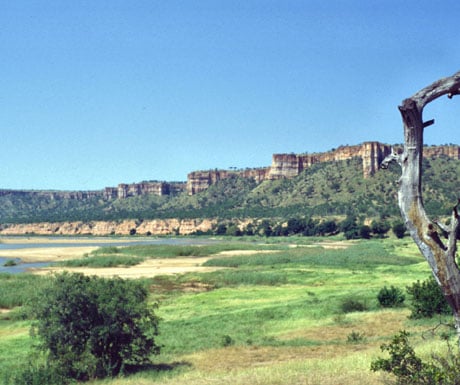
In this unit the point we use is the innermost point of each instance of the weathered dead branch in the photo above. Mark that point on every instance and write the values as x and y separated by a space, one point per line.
438 251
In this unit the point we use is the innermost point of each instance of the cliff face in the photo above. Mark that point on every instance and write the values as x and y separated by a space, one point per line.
451 151
144 188
77 195
282 166
198 181
291 165
100 228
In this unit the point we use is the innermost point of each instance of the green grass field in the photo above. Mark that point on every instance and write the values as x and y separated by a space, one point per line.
272 317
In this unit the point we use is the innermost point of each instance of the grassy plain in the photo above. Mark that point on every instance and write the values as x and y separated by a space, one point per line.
265 313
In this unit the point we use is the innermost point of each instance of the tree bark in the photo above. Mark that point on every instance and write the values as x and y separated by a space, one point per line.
439 252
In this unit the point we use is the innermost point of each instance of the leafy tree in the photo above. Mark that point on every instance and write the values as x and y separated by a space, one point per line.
233 230
365 232
265 228
399 229
380 228
296 226
221 229
326 227
95 327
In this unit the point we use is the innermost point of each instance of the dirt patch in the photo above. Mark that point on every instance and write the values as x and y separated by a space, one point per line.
338 245
148 268
232 253
47 254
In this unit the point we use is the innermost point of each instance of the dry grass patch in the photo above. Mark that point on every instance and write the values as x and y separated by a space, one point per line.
371 325
240 357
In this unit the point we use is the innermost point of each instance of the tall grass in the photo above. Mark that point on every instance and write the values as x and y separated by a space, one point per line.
173 251
268 318
103 261
17 289
359 256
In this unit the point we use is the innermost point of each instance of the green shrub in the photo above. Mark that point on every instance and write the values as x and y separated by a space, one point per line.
103 261
36 374
409 369
92 327
427 299
356 338
380 228
403 362
399 229
227 341
365 232
390 297
350 305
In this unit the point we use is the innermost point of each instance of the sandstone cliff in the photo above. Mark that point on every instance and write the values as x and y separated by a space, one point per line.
291 165
104 228
282 166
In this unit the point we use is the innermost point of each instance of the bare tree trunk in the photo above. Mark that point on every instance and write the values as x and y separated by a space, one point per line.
440 253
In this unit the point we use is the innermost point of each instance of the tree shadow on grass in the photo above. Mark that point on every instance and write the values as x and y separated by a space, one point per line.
159 368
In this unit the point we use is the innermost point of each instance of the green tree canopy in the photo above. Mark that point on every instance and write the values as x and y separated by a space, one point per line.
95 327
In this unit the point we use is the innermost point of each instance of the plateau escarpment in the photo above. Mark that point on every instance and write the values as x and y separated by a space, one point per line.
291 165
286 166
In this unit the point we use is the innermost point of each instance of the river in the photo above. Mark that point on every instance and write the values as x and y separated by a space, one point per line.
28 243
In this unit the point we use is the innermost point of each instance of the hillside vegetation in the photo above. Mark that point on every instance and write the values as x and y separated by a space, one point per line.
334 188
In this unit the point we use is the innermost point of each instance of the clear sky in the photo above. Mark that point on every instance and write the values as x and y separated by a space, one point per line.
94 93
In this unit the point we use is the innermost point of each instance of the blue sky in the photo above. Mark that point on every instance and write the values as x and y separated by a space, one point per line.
96 93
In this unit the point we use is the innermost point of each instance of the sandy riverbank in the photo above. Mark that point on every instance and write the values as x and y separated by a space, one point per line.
148 268
54 253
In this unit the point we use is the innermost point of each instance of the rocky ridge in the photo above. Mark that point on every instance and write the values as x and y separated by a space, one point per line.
282 166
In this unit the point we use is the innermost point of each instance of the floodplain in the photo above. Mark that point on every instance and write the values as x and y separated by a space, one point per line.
287 310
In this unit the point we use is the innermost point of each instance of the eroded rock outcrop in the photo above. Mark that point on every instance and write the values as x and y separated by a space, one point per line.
291 165
104 228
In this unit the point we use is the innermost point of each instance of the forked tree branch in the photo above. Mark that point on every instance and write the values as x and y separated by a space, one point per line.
439 254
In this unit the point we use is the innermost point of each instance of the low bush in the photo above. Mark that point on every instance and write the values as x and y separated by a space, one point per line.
409 369
390 297
350 305
103 261
427 299
356 338
36 374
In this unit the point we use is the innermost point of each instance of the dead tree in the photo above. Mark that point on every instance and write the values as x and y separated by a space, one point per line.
437 242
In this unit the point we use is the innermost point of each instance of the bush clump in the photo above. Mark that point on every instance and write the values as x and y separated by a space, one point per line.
350 305
390 297
427 299
93 327
409 369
